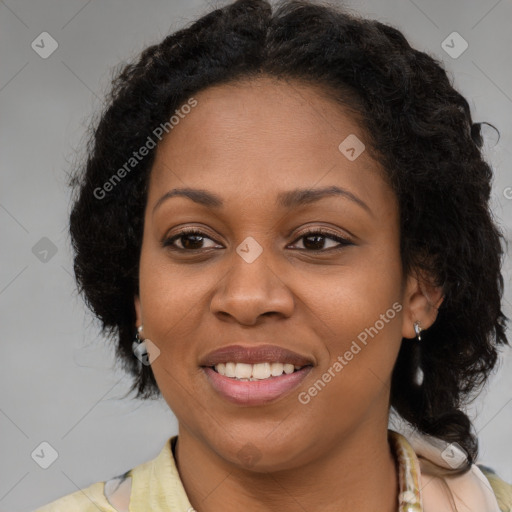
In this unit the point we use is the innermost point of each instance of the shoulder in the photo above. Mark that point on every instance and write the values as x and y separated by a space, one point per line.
90 499
472 491
501 489
152 485
477 490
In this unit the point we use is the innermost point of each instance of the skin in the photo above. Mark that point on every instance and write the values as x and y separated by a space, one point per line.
246 142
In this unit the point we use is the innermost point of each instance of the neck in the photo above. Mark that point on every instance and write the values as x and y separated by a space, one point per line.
358 472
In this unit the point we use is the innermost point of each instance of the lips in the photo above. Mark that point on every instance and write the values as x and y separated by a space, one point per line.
254 355
256 393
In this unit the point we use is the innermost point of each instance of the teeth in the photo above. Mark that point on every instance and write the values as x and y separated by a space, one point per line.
288 368
243 371
276 369
230 369
258 371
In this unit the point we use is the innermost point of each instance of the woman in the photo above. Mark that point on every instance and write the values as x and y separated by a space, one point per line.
289 213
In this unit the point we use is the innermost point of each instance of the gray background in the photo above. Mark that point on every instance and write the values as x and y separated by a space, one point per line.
58 379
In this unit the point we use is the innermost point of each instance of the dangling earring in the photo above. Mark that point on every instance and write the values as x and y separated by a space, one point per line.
139 347
418 376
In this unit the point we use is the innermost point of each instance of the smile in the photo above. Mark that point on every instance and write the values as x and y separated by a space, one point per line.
253 372
252 391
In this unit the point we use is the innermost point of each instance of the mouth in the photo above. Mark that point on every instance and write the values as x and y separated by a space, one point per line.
248 389
244 372
255 375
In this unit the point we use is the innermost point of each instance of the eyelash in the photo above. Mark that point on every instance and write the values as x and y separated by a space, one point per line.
322 232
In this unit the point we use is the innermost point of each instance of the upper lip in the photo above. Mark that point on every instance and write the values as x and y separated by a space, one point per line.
253 355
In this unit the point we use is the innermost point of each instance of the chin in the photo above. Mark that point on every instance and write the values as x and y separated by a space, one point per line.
256 452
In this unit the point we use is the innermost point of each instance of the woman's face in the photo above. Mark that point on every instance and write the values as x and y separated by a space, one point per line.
252 277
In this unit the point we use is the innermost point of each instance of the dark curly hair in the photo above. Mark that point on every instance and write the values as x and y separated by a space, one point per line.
418 127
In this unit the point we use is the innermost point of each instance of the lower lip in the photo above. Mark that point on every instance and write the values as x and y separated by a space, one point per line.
256 392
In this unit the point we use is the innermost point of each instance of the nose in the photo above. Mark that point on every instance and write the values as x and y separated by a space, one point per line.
251 291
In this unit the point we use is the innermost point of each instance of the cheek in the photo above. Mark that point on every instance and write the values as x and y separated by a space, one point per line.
174 298
171 302
360 320
352 296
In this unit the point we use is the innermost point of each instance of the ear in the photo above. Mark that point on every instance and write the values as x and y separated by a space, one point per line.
138 311
421 303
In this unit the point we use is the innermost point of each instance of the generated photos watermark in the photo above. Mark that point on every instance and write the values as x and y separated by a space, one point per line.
343 360
143 151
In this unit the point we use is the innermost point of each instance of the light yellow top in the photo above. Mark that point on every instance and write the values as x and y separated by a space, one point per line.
156 486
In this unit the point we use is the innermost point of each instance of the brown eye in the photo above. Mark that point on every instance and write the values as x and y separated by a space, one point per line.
190 239
314 240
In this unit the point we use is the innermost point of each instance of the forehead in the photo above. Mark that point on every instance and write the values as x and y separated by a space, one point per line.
253 138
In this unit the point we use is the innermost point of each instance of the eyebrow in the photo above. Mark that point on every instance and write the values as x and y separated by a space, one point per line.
289 199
